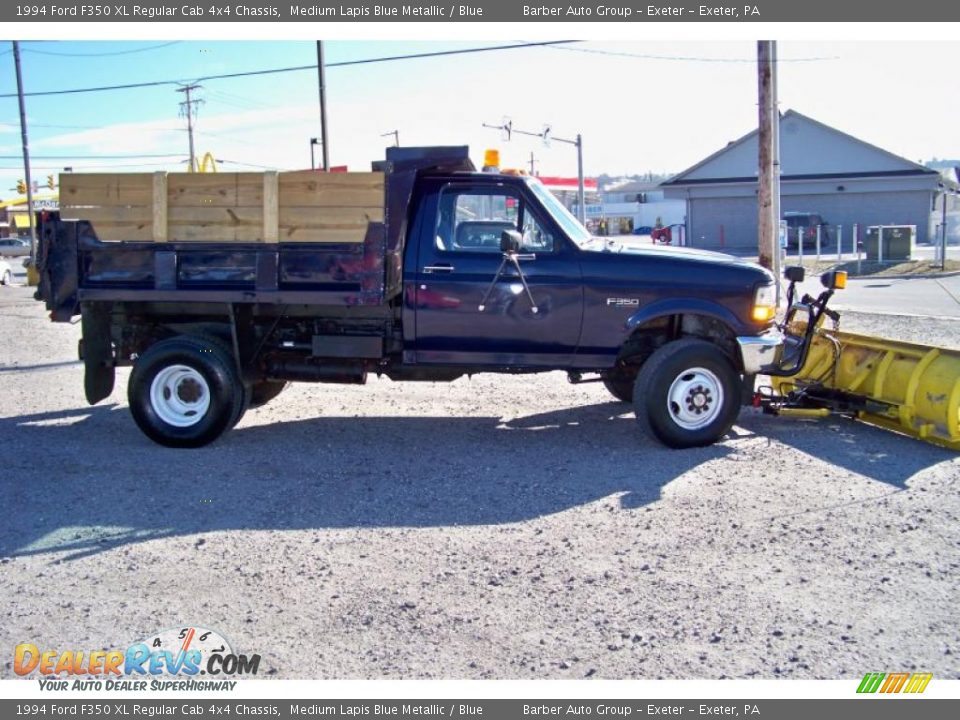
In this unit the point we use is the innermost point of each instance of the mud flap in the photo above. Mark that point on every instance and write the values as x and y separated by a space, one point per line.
96 352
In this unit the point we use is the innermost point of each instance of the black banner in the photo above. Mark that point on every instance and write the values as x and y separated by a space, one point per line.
152 11
852 709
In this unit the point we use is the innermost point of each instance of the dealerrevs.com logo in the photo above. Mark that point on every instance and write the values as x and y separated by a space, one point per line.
888 683
185 658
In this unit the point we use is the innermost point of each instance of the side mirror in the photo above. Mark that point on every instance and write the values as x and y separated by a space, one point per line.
795 274
834 279
510 241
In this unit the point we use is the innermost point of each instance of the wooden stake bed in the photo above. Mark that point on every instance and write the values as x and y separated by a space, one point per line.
267 207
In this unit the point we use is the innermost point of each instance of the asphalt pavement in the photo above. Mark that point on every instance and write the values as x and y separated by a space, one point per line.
935 297
493 527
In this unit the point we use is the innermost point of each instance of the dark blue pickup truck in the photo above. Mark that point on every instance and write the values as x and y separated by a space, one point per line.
468 272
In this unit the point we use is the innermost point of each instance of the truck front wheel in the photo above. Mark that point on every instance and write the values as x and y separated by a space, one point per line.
687 394
185 392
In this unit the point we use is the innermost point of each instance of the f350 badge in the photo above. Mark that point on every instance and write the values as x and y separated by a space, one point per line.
623 302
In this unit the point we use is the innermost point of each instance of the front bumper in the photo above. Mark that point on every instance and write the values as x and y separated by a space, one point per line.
758 352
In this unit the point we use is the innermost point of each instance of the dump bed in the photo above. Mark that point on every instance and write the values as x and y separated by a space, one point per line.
300 237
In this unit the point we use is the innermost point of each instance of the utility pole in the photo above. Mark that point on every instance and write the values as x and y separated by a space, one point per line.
321 76
766 241
581 195
943 227
187 109
396 137
533 167
775 160
26 152
508 130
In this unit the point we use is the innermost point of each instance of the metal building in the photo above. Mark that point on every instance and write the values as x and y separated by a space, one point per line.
823 171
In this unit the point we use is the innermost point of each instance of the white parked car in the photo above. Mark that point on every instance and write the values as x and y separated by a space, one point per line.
14 247
6 273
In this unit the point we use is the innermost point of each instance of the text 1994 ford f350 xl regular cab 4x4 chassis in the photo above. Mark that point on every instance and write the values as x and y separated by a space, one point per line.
449 272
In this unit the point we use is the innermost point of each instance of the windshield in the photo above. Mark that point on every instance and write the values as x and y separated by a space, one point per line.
567 222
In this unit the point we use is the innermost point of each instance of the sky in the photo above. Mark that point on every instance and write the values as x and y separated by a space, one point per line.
640 107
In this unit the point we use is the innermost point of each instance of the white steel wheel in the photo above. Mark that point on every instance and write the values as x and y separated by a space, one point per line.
687 393
695 398
180 395
7 278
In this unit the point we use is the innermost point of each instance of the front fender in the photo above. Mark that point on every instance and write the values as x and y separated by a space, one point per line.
688 306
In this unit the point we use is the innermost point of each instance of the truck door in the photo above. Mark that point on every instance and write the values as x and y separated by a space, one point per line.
458 257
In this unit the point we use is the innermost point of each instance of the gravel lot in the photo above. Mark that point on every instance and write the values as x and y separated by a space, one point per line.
499 527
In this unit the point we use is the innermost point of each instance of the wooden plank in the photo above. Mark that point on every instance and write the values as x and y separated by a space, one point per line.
211 224
216 216
118 215
306 189
331 197
215 233
326 224
215 189
311 217
113 232
271 207
159 207
344 179
106 188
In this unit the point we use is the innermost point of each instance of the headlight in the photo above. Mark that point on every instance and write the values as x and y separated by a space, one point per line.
764 304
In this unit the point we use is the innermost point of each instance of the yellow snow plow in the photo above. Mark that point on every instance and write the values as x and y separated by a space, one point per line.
905 387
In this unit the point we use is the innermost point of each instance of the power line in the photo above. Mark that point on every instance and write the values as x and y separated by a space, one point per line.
686 58
297 68
246 164
80 127
97 165
103 54
92 157
128 86
235 100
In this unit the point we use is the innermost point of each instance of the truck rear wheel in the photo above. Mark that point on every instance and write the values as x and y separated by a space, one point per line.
185 392
687 394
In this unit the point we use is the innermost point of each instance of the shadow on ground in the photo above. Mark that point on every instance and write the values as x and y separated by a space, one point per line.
85 480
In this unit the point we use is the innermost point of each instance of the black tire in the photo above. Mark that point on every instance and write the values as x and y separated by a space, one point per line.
702 375
264 391
7 278
619 382
208 389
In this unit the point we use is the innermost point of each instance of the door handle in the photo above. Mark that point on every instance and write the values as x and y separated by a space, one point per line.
443 268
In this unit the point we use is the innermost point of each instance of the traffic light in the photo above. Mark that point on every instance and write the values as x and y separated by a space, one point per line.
51 181
22 187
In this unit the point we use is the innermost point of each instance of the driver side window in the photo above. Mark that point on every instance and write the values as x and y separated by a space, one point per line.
473 221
